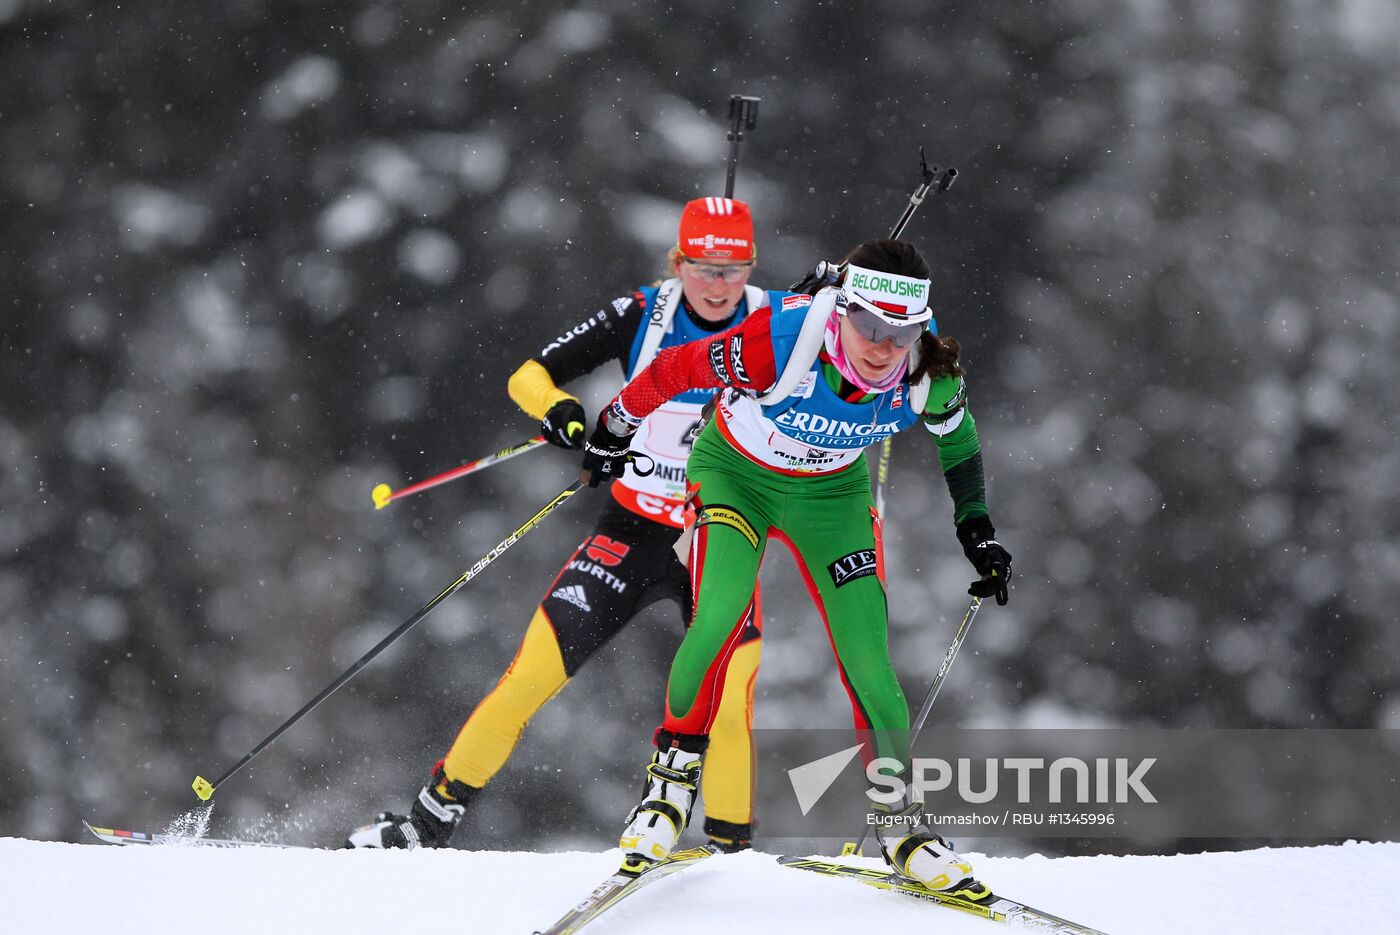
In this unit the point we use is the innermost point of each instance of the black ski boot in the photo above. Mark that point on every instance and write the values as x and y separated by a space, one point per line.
429 823
730 837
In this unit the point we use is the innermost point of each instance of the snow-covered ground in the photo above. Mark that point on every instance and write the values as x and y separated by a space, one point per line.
61 888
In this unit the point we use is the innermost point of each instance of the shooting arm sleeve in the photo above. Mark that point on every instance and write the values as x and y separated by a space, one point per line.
948 419
605 336
741 357
533 389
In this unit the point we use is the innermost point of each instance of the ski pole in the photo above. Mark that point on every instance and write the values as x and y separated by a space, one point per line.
743 115
958 638
882 473
383 495
205 789
927 706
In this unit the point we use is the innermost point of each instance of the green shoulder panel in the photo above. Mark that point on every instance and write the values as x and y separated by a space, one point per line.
946 395
948 419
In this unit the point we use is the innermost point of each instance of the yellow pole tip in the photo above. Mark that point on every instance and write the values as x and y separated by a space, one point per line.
203 789
382 494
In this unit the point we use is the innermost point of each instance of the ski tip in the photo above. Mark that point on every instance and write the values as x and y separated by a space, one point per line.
202 788
116 836
381 494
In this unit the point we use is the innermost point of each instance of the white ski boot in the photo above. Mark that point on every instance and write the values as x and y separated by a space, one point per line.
655 826
916 852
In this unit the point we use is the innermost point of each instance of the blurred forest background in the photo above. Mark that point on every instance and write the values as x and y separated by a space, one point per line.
256 257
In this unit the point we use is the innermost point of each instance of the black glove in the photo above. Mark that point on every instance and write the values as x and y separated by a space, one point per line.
992 562
564 424
605 454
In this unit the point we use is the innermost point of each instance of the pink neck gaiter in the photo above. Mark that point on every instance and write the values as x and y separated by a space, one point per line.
848 370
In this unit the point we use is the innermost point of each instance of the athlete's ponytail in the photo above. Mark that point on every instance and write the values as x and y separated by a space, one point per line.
938 357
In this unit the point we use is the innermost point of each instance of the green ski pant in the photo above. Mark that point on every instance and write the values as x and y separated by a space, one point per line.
829 523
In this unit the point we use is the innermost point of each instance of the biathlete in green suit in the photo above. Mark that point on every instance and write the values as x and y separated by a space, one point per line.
807 384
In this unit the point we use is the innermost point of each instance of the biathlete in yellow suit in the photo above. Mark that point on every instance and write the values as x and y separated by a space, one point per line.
627 562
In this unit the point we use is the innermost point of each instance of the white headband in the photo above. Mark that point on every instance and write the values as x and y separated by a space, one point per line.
899 300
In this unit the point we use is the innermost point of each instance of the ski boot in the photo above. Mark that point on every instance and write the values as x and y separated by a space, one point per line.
668 794
429 823
728 836
913 850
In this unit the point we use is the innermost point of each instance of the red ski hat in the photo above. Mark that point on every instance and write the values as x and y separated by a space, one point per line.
716 229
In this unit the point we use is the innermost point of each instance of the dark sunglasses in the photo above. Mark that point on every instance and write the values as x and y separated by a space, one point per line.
875 329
